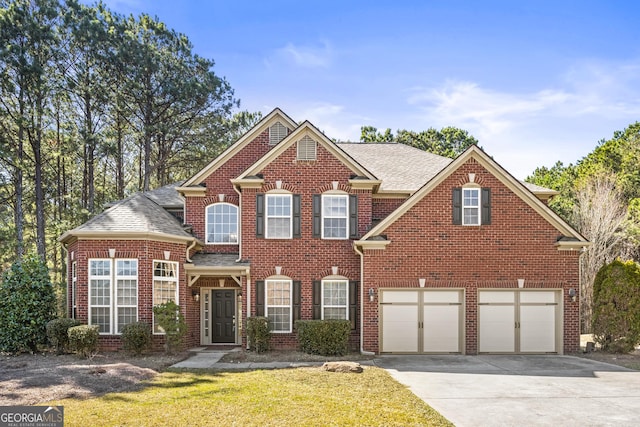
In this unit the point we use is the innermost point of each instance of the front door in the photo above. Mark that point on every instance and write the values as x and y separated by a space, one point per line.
223 309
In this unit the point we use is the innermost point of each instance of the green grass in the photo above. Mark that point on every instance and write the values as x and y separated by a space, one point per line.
285 397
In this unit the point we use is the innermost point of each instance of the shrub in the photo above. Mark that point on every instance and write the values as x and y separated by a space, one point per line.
258 334
84 339
324 337
171 322
136 337
616 306
28 303
58 333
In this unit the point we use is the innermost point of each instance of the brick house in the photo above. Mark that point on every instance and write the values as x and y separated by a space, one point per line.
423 254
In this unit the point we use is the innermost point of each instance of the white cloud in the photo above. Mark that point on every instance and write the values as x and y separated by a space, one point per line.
306 56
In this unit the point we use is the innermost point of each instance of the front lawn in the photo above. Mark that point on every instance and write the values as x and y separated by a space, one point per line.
287 397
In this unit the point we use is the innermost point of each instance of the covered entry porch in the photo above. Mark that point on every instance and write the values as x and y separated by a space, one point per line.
216 282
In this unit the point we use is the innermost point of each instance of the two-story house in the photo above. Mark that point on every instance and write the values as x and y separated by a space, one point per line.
423 254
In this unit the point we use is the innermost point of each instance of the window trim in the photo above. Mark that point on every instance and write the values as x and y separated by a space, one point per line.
113 305
477 207
207 223
268 196
345 282
176 279
290 306
323 216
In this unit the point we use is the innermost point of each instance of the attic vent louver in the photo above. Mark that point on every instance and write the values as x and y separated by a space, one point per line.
277 132
307 149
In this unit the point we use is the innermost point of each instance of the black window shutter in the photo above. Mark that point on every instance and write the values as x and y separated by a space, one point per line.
353 304
317 215
259 215
297 301
296 216
259 297
353 216
317 299
457 206
486 206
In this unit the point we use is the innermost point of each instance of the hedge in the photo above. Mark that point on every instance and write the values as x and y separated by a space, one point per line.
324 337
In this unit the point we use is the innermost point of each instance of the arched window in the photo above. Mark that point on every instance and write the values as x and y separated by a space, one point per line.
222 224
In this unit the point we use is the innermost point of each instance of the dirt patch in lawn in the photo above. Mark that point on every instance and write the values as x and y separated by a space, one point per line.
244 356
628 360
26 379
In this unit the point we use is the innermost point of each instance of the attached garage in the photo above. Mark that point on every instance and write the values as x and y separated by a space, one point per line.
421 320
519 321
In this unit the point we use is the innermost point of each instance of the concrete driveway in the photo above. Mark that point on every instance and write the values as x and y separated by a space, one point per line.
521 390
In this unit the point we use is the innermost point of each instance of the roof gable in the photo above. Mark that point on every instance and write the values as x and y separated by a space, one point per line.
271 118
307 129
502 175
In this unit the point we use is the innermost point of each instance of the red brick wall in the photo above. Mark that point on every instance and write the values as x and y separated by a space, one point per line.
519 243
383 207
145 252
219 183
306 258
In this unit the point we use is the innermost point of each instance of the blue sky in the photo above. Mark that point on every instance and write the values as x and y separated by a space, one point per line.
534 81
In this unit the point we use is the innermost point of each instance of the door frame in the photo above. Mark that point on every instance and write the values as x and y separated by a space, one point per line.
206 301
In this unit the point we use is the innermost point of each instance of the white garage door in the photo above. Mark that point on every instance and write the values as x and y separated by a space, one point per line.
519 321
421 321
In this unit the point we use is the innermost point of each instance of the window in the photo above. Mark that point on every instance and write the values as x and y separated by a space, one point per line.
278 305
335 217
74 289
279 224
222 224
165 286
112 307
307 149
471 206
277 132
335 301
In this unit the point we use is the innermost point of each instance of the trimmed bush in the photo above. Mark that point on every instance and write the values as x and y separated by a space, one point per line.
136 337
84 339
616 306
324 337
58 333
28 304
258 334
171 322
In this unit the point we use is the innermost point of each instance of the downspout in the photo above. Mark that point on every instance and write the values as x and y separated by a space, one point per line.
191 246
248 276
66 279
361 253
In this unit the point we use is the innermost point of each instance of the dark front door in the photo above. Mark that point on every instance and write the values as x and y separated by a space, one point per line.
223 316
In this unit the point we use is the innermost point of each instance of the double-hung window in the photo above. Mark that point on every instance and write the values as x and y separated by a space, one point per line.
335 299
278 216
335 216
278 304
165 286
113 294
222 224
471 206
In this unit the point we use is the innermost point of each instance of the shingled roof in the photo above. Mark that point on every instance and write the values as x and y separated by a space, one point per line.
137 214
400 167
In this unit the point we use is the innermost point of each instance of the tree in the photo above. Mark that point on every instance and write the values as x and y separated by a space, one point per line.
599 215
448 142
616 306
28 304
562 179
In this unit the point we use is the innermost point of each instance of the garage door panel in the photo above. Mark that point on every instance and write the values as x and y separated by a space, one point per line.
441 332
538 328
497 324
400 328
541 297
